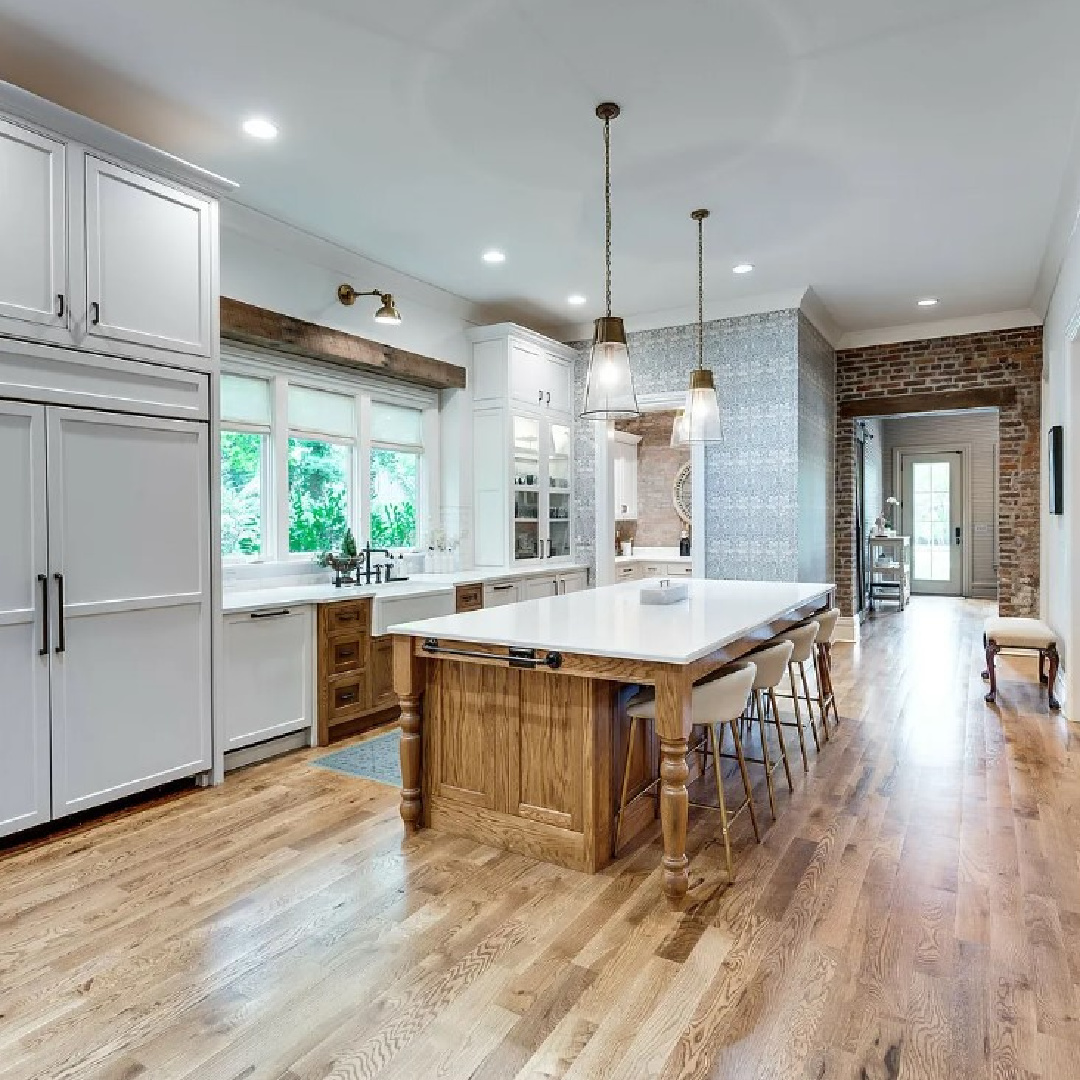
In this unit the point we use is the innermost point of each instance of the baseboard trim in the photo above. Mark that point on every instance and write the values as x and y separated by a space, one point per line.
847 629
250 755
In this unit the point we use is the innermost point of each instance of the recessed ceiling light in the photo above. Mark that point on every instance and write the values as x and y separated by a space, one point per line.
492 255
928 301
742 268
260 128
576 299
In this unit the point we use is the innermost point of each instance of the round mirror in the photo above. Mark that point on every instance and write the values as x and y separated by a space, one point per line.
680 493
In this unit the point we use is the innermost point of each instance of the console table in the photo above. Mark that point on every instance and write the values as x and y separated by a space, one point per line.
889 565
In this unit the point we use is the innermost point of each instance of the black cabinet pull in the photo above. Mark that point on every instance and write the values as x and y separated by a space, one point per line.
61 642
95 313
43 579
60 305
549 397
270 614
541 397
958 535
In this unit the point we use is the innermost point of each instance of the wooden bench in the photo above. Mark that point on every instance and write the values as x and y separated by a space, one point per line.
1031 635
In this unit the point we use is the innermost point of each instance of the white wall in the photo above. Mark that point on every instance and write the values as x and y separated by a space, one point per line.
1060 535
273 265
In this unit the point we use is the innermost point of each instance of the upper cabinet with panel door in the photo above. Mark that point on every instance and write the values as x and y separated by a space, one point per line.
115 245
514 365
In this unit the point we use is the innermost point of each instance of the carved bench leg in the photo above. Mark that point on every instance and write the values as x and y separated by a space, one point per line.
1051 679
990 673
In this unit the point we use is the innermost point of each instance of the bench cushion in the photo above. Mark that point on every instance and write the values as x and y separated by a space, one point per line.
1014 633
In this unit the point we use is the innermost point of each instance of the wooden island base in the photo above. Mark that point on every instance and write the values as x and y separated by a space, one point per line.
528 758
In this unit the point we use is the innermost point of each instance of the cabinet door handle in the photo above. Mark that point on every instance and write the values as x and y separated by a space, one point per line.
60 308
549 397
43 580
61 640
95 313
501 588
270 614
541 397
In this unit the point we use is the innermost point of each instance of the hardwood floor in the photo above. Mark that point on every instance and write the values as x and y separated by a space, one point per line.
914 913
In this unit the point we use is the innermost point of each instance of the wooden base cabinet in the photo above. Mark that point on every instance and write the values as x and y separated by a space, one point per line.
105 608
355 679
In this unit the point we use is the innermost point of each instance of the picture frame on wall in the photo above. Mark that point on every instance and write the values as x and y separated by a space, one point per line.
1055 463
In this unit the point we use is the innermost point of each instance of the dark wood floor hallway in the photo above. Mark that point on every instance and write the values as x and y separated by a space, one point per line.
915 912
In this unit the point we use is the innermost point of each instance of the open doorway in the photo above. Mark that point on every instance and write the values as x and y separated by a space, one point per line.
932 477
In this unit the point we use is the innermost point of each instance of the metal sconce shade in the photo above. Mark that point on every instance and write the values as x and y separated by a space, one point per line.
609 386
387 313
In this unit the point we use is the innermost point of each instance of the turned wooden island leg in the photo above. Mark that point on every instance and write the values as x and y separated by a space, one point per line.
409 687
673 724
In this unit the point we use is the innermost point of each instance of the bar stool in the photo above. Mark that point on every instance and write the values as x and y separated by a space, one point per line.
771 664
715 704
802 640
826 698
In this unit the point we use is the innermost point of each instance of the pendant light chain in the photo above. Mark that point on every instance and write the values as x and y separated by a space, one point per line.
701 292
607 214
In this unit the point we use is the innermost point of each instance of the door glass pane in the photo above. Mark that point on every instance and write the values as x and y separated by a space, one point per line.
318 494
526 452
526 488
243 462
931 546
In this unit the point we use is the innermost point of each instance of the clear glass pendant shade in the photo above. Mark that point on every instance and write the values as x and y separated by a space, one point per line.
699 419
609 387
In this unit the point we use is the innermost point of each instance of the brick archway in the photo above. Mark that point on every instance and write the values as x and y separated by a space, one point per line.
1002 368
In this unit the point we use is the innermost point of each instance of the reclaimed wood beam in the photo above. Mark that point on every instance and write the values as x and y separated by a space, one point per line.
939 401
282 333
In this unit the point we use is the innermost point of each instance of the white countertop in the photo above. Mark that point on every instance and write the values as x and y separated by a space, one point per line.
612 621
682 560
418 585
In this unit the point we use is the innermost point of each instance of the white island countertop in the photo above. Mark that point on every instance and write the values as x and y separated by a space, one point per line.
612 621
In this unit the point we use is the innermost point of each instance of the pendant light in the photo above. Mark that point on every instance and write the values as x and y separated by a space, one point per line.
609 387
699 420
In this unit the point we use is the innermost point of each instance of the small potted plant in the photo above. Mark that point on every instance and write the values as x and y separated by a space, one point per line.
343 563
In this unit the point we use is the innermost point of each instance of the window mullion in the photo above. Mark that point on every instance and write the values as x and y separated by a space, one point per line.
278 518
362 513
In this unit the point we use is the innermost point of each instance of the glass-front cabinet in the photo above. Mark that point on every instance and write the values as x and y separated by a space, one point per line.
541 503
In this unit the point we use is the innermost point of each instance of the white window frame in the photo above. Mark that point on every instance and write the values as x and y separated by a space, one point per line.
281 373
267 540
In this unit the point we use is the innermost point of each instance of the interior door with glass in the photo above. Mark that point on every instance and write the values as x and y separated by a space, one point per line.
558 495
933 517
527 489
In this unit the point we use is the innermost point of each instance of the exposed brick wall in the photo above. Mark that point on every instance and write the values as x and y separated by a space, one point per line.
1002 358
659 462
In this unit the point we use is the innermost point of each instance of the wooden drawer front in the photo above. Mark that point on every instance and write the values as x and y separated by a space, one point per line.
347 697
469 598
347 654
348 615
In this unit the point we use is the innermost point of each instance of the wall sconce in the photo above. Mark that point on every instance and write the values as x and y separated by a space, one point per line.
386 314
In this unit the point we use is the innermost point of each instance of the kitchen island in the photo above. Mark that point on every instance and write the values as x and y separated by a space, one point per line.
509 716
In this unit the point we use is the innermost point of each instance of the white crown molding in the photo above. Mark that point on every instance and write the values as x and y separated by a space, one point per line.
42 113
1063 228
974 324
351 265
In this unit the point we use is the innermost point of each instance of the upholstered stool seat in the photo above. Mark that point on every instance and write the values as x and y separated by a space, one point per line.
1024 634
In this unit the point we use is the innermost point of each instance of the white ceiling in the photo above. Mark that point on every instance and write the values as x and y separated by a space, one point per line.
873 150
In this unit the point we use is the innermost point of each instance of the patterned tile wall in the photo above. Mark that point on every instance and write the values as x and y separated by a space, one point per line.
751 489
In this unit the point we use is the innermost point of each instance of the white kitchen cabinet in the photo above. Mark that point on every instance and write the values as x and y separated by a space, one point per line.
539 587
500 593
148 256
523 434
627 572
625 485
33 227
577 581
25 797
268 678
129 556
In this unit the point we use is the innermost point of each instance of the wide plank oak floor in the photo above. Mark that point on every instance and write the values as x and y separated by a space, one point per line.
915 912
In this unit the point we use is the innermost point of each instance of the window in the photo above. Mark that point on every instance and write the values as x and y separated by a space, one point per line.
396 446
303 461
245 440
320 468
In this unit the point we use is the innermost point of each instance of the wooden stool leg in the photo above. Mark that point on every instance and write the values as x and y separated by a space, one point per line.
990 673
809 707
759 711
1051 678
720 799
826 654
798 717
625 782
746 782
820 699
771 704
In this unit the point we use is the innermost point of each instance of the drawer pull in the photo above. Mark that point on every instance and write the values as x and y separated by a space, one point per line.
346 616
270 614
346 696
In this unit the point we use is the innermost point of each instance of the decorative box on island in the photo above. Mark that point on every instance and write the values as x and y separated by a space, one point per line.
664 591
